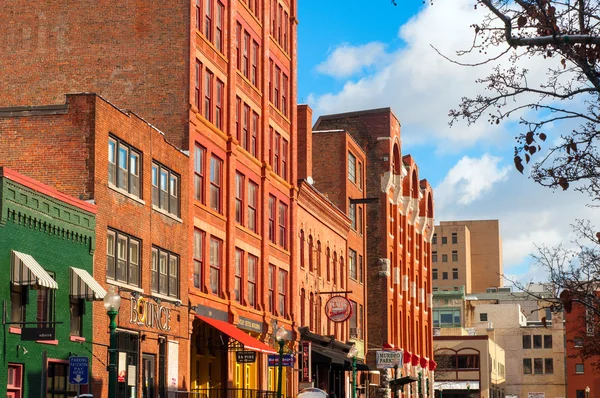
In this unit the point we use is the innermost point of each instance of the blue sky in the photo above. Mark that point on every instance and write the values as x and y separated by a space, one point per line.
352 58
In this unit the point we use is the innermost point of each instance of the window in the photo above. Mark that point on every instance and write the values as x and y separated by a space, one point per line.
284 157
219 105
237 285
360 175
578 342
434 257
444 240
198 258
14 384
197 87
254 70
276 90
57 384
165 189
360 269
352 264
276 141
538 366
123 258
579 368
444 275
284 90
281 289
527 369
245 126
283 209
271 292
198 15
219 27
239 198
526 342
252 205
446 317
165 272
351 167
580 394
537 341
208 20
467 361
215 265
360 220
353 321
253 134
124 166
76 309
272 204
454 255
434 239
434 274
252 261
483 317
454 238
352 215
454 273
208 81
200 154
444 258
216 175
18 303
45 305
547 341
548 366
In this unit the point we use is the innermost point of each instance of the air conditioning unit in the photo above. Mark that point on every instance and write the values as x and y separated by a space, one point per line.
355 333
491 290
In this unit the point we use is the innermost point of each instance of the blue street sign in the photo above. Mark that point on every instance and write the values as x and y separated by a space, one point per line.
78 370
288 360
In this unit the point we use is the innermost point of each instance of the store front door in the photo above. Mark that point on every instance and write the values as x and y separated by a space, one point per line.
148 372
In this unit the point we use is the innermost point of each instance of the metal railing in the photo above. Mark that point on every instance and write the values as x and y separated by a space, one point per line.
226 393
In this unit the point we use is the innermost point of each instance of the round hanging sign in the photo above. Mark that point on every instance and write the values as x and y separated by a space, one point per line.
338 309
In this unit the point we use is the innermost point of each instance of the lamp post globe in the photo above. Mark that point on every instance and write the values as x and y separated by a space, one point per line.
112 303
587 391
281 335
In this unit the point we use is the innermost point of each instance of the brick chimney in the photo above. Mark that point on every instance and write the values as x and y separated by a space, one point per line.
304 142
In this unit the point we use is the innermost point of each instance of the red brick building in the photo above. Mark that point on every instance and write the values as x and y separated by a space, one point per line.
399 226
93 151
580 373
331 260
218 78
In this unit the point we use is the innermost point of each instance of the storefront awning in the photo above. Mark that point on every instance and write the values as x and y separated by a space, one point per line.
84 286
25 271
243 338
457 385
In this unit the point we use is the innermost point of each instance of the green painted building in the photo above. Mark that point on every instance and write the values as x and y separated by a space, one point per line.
46 259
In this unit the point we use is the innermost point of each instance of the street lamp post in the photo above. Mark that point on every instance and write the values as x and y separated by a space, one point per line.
112 302
352 354
281 335
468 389
441 391
587 391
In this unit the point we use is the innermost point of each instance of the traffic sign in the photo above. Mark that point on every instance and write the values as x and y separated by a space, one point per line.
78 370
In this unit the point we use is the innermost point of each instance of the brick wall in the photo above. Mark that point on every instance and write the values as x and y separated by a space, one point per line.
134 53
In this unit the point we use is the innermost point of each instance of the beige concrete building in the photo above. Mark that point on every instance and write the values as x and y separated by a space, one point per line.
469 366
467 253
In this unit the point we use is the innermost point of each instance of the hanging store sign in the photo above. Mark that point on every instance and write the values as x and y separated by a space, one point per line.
288 360
245 356
389 359
338 309
144 312
37 334
306 362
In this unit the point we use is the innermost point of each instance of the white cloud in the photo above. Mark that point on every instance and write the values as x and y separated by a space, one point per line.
347 60
469 180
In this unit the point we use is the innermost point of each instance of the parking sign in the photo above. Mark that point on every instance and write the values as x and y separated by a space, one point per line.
78 370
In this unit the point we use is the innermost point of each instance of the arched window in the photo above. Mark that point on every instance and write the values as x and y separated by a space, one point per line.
342 272
334 268
319 257
328 264
310 253
302 248
302 307
311 311
319 316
